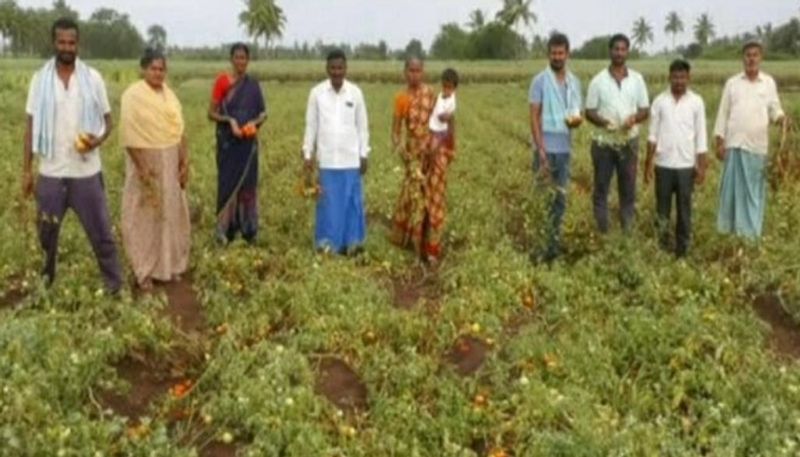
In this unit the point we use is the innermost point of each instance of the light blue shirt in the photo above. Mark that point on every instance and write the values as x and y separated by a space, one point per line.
617 102
554 142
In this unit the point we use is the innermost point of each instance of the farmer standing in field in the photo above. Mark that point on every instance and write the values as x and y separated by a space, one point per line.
337 135
617 103
69 117
555 107
676 153
749 103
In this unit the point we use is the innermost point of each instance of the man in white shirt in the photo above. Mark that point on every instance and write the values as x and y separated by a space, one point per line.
617 102
749 103
68 118
676 153
337 135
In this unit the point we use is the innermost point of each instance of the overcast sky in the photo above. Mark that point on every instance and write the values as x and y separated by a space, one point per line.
211 22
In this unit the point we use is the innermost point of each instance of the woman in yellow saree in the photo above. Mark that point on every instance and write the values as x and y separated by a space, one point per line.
155 212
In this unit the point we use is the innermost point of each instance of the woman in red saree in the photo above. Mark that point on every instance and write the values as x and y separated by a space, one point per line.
419 216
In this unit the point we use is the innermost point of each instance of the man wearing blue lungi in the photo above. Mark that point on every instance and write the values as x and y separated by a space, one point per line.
749 103
337 134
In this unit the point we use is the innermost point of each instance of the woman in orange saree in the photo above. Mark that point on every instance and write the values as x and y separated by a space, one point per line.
412 219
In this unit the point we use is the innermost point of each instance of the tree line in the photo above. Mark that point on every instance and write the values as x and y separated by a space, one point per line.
107 33
110 34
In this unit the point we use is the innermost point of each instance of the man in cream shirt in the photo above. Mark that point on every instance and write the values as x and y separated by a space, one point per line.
676 153
749 104
337 133
616 103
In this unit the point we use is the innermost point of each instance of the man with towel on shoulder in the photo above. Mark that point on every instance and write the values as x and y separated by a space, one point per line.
555 106
69 117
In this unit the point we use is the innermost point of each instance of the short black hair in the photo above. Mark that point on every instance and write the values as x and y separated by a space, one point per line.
240 47
750 44
151 55
557 39
450 76
64 23
617 38
680 65
336 54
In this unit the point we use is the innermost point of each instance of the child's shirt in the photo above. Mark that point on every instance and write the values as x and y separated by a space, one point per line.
443 106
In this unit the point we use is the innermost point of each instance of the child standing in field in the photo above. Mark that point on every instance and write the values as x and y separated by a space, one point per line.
441 153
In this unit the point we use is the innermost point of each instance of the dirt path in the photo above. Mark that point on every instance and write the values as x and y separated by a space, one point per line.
13 294
154 378
340 384
468 355
784 339
411 289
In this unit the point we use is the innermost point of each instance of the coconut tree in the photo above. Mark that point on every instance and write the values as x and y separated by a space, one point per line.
516 11
642 33
157 37
674 26
704 30
263 19
477 19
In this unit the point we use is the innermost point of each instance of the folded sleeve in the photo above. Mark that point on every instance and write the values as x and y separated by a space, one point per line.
655 122
312 116
362 126
774 103
700 128
723 112
593 95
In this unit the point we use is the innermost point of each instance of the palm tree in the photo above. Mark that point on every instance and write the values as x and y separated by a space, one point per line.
764 33
642 33
516 11
704 30
476 20
674 26
157 37
263 18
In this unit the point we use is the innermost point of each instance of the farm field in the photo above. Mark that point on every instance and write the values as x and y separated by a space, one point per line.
615 350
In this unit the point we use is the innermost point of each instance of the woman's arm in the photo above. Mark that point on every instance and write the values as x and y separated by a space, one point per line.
259 121
397 130
143 171
215 115
183 162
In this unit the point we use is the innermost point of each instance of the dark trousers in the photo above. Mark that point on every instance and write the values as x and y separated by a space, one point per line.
86 197
559 175
608 160
680 184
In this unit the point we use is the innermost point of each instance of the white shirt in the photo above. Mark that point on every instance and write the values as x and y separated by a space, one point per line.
66 161
337 128
616 102
678 129
745 111
443 106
